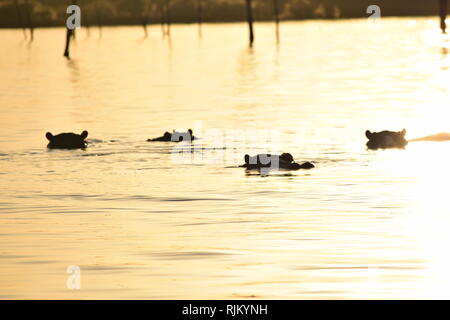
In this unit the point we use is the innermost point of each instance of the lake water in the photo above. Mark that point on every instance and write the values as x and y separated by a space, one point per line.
142 221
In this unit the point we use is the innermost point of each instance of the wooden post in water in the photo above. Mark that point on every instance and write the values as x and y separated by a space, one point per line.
163 16
443 14
19 17
87 24
199 17
250 20
144 25
88 30
99 18
144 8
277 19
168 16
75 2
29 21
69 35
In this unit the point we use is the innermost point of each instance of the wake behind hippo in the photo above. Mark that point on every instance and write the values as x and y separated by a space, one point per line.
284 161
438 137
67 140
175 136
386 139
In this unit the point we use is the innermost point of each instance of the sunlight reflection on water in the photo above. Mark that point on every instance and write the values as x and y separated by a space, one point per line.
363 224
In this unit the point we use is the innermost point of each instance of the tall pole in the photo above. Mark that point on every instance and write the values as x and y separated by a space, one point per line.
277 19
250 20
70 33
86 21
163 16
199 16
99 19
74 2
30 23
144 7
443 14
168 16
19 17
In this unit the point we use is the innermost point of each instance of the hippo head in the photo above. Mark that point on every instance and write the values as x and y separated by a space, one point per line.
67 140
182 136
259 160
386 139
251 160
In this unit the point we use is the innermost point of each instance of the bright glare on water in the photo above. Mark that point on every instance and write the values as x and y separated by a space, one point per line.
141 224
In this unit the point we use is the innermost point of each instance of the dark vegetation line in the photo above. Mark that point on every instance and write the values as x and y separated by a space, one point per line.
46 13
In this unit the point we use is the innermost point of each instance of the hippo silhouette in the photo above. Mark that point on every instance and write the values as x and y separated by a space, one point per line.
176 136
386 139
67 140
284 161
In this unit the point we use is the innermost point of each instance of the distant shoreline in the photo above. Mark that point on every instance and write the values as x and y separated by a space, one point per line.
40 13
129 23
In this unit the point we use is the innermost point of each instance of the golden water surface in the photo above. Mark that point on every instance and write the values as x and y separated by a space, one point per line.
142 224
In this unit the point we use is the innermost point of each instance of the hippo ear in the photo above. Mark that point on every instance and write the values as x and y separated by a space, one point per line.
247 158
368 134
84 134
403 132
287 157
49 136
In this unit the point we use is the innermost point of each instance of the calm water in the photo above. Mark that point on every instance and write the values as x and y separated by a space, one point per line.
142 224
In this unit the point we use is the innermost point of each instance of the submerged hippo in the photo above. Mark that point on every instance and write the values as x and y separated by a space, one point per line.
284 161
67 140
176 136
386 139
